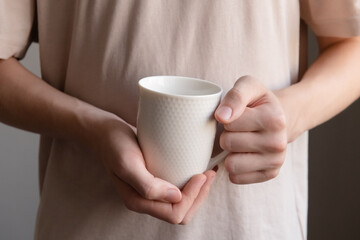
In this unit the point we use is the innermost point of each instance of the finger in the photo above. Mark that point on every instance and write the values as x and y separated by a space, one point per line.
190 194
172 213
250 121
254 177
242 163
258 142
132 170
204 192
246 92
135 202
241 142
266 117
150 187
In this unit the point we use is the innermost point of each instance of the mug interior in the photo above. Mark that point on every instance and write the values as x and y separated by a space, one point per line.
181 86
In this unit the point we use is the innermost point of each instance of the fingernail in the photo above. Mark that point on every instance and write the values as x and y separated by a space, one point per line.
172 195
224 112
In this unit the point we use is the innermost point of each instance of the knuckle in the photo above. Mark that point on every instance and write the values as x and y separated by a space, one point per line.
229 165
234 179
276 122
121 173
239 179
277 162
248 82
176 218
277 144
119 169
234 95
225 141
185 221
123 166
270 174
246 79
147 190
131 204
229 126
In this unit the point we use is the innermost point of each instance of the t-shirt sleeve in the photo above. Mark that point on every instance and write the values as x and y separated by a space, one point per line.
17 18
332 18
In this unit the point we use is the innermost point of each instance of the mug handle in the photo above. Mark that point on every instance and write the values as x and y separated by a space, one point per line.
217 159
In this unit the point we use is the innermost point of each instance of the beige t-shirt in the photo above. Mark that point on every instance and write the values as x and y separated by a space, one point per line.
97 50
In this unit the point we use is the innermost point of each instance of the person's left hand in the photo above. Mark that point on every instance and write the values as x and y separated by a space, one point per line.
255 132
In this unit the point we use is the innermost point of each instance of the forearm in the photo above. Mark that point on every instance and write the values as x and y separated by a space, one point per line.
330 85
29 103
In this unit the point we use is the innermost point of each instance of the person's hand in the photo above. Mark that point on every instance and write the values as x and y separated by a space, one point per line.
255 132
139 189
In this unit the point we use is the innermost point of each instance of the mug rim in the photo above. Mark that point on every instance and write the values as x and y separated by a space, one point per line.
142 80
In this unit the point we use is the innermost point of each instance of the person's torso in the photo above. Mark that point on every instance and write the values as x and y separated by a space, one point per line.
98 50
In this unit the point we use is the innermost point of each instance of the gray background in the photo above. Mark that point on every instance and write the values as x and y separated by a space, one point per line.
19 192
334 164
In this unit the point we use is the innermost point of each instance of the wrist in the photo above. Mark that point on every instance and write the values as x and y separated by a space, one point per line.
99 127
87 123
291 111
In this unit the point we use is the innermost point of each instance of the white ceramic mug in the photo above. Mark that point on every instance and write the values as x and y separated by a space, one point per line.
176 126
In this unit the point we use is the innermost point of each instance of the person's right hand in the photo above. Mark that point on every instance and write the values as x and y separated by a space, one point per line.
139 189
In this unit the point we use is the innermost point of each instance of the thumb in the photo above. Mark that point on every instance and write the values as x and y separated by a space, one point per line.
130 169
151 187
245 92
